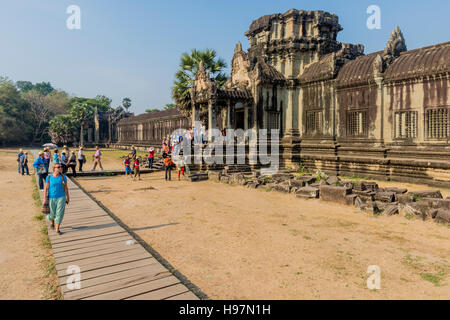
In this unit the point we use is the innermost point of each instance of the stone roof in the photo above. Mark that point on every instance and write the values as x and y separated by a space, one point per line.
174 112
358 71
319 70
267 71
420 62
237 94
262 23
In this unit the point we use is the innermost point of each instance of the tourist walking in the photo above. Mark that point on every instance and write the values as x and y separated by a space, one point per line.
151 157
137 168
97 158
81 159
168 167
56 158
181 166
64 162
24 163
165 150
57 193
126 163
72 163
47 156
19 155
133 152
39 165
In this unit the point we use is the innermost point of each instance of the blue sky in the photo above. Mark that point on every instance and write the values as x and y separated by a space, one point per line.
132 48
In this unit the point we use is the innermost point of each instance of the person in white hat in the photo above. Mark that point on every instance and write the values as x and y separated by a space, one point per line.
151 157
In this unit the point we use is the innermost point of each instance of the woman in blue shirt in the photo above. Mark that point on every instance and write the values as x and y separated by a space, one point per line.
58 194
41 169
56 158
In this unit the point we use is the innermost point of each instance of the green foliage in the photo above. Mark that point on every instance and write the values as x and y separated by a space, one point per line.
81 111
126 102
320 175
152 110
189 65
62 129
43 88
24 86
15 117
170 106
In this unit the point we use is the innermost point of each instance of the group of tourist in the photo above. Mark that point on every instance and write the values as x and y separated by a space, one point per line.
170 156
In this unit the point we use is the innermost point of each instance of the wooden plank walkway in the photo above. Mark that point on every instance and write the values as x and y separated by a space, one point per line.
113 264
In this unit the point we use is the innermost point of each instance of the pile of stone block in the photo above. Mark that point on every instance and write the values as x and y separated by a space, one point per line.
364 195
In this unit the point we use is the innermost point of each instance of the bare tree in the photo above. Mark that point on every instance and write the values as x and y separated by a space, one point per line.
43 108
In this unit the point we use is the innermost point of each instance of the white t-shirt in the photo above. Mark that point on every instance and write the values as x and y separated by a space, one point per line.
80 155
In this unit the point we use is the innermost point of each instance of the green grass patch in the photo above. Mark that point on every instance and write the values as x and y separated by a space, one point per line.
51 289
434 278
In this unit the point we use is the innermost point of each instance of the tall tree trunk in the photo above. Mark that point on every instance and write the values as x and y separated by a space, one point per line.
82 134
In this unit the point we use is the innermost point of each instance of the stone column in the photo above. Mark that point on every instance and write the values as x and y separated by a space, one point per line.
96 127
291 139
228 114
212 123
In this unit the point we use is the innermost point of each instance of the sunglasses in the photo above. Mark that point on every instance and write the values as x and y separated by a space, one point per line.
59 167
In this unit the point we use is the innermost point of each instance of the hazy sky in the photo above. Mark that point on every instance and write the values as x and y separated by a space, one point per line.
132 48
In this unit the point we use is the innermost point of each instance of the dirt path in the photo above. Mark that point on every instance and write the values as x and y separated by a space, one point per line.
20 238
237 243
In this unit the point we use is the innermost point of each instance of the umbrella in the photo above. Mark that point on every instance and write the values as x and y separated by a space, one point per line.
50 145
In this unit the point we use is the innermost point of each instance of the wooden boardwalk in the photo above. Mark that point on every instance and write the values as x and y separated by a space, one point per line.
113 264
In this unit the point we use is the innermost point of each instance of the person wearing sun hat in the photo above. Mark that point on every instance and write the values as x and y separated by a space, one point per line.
19 155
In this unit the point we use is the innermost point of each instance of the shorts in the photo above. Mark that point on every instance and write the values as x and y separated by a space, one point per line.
127 170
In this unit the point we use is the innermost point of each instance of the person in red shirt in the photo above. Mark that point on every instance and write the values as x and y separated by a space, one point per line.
137 169
126 163
151 156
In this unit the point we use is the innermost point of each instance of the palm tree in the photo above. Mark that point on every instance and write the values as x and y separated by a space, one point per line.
126 102
189 65
81 112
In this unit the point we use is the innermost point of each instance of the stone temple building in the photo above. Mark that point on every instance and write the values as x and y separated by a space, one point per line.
384 114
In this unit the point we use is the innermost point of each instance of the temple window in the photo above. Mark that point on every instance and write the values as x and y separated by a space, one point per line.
314 122
405 124
437 123
357 123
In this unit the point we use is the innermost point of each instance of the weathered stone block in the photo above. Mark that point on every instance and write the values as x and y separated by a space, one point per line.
366 185
394 190
350 199
333 180
366 195
436 203
391 209
385 196
307 192
403 198
282 176
346 183
426 194
297 183
225 178
198 177
214 175
415 210
282 187
334 194
442 216
370 206
306 178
